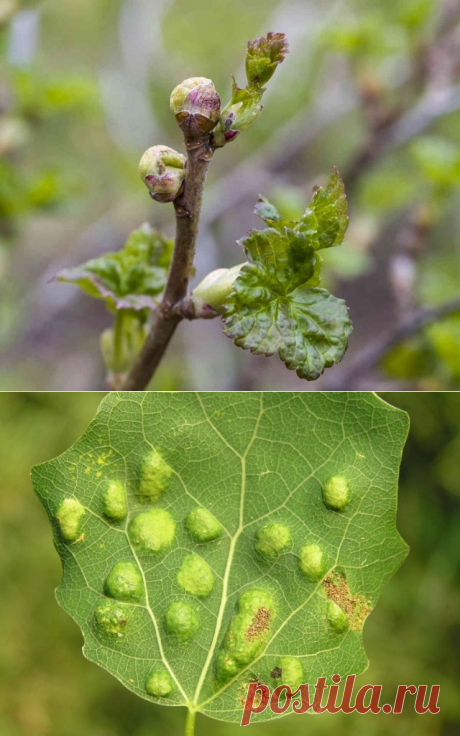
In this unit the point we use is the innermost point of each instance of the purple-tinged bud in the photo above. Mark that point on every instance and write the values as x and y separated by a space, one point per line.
163 172
196 105
230 135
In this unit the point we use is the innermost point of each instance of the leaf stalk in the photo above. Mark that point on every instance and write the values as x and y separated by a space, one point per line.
190 723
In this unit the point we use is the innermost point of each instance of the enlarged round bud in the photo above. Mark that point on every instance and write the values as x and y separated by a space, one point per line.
215 288
163 172
196 105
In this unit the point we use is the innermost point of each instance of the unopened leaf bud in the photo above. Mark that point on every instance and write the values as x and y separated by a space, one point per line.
263 56
163 172
215 288
196 105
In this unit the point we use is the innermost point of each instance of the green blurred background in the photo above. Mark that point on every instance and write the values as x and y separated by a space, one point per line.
47 687
84 90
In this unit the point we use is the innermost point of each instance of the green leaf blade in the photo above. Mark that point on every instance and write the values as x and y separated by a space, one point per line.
129 278
308 327
325 221
250 459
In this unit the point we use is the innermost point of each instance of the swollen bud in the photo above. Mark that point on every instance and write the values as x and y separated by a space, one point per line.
263 56
196 105
163 172
215 288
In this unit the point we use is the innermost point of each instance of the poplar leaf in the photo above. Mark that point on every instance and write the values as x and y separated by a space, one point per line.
208 540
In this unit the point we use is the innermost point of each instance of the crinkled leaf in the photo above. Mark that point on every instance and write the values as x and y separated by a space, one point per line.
325 219
129 278
287 260
274 307
308 327
251 460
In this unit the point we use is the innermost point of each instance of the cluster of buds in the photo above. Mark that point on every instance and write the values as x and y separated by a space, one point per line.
197 108
163 172
196 105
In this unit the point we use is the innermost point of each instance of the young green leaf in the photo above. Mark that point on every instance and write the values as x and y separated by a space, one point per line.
262 59
275 306
325 219
129 278
242 566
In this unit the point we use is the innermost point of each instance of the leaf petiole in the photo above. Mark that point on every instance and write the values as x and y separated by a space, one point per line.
190 723
118 341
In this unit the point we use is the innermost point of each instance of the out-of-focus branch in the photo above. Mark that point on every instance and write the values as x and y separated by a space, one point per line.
434 70
370 356
409 244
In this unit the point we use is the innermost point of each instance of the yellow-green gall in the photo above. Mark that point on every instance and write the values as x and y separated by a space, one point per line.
112 619
288 671
202 525
159 682
154 476
69 517
272 540
152 531
162 170
182 621
247 633
312 562
114 500
195 576
124 582
336 617
336 492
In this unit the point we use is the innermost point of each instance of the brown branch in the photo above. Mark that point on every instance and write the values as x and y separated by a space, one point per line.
370 356
166 319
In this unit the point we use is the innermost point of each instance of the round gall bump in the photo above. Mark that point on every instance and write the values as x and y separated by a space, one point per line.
124 582
115 503
195 576
336 493
272 540
154 476
159 683
289 671
312 562
152 531
69 517
182 621
252 600
246 635
202 525
336 617
112 619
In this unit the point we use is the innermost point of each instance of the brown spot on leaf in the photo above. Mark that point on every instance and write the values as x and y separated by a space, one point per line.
259 624
243 691
276 673
355 607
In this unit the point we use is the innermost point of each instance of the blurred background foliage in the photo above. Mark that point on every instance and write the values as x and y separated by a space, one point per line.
370 86
48 688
